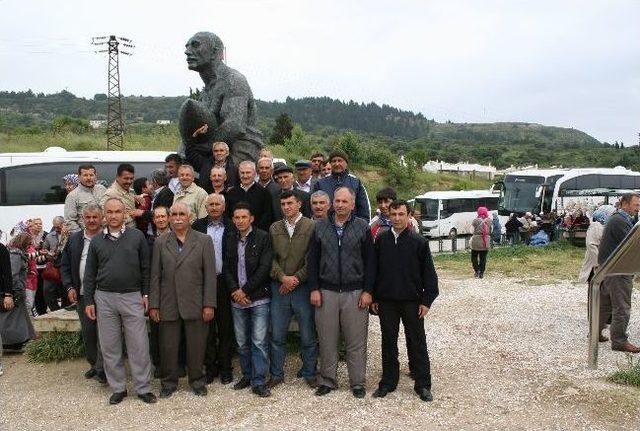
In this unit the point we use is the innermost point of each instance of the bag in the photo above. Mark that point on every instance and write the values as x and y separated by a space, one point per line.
51 273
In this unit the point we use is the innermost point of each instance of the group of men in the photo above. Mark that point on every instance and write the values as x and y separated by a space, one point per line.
239 263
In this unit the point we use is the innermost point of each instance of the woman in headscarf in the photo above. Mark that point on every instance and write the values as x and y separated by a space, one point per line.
480 241
594 234
70 182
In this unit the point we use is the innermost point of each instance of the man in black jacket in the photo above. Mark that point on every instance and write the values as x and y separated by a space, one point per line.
616 290
162 196
217 359
219 157
74 259
246 271
286 181
406 287
341 272
250 192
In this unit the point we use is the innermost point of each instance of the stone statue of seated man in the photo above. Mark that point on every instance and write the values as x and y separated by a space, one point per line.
226 110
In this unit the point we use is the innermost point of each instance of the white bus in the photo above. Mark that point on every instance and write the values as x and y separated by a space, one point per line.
450 213
541 191
31 184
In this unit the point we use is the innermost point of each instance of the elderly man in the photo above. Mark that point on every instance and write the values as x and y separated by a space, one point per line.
304 172
250 192
121 189
182 293
342 270
246 271
340 177
406 287
190 194
220 341
162 196
72 269
616 290
289 290
265 175
320 205
87 192
284 177
219 158
218 178
116 287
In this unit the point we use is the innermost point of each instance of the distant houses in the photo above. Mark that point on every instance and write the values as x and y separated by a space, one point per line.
163 122
96 124
471 169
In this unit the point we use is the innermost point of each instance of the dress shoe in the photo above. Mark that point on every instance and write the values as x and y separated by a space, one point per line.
225 379
603 338
101 377
381 392
166 392
480 274
200 391
242 384
148 397
323 390
626 347
274 381
424 394
261 391
90 374
312 382
476 274
117 397
358 392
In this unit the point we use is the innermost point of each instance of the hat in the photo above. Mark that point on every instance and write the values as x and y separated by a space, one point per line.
303 164
281 167
338 153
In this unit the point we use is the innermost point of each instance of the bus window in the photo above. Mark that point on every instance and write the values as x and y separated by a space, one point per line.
429 209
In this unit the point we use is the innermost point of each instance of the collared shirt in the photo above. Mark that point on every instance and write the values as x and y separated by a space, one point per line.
246 189
265 185
242 273
305 187
126 196
174 185
194 197
292 227
83 261
215 229
113 236
396 234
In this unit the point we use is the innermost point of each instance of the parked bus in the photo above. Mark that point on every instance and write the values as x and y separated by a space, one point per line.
31 184
450 213
544 190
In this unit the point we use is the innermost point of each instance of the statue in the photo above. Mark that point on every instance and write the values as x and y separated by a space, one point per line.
226 110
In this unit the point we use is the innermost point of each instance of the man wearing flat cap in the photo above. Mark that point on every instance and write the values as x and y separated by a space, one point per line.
284 177
304 172
341 177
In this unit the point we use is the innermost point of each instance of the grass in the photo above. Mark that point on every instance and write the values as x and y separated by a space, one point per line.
557 261
628 374
55 347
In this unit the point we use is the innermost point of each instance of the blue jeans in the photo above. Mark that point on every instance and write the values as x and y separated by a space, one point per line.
283 307
252 337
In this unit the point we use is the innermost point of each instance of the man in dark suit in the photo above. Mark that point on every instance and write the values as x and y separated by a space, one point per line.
250 192
616 290
74 258
217 360
265 175
305 181
284 177
162 196
182 292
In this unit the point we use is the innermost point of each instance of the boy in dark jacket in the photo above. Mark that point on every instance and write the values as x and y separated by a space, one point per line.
406 286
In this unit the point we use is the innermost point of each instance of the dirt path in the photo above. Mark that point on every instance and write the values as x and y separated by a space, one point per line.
504 356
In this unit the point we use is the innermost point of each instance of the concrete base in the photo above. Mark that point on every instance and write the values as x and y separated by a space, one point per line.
60 320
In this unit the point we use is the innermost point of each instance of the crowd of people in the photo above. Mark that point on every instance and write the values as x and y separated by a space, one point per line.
224 263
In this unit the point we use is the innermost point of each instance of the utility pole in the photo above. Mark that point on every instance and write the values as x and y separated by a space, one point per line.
115 116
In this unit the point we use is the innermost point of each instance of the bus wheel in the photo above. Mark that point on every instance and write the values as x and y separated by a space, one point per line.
453 233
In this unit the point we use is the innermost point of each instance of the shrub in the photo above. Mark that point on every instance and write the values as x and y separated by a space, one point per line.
628 374
55 347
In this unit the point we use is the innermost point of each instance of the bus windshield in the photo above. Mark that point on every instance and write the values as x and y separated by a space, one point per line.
520 194
430 209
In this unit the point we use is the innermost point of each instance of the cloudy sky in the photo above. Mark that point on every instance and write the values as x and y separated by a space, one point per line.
565 63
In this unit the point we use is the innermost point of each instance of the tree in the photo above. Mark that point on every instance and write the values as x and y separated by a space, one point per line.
282 130
349 143
419 156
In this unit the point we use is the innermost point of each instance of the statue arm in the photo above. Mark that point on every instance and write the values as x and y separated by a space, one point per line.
233 118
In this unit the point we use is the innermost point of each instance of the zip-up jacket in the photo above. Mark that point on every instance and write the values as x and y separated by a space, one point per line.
341 264
345 179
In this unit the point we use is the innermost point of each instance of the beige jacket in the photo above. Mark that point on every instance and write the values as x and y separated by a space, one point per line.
195 198
126 196
75 202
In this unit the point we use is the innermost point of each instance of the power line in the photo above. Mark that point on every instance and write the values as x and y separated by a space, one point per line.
115 115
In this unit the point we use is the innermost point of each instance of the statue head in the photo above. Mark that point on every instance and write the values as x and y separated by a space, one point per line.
203 50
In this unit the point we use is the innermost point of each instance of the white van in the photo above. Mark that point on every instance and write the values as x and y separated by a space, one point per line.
450 213
31 184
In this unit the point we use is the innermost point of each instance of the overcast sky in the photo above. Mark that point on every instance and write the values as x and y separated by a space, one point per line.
564 63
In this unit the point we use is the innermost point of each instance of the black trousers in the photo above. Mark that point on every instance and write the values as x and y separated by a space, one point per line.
89 330
221 339
479 260
195 333
391 313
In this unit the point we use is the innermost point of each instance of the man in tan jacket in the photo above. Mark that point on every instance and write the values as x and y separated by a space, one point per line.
121 189
190 193
289 291
182 292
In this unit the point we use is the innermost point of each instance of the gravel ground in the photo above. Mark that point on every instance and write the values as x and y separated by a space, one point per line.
505 355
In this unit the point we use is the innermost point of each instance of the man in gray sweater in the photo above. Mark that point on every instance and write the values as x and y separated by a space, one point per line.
116 288
616 290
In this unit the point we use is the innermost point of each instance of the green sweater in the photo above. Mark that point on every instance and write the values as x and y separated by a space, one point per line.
120 266
290 254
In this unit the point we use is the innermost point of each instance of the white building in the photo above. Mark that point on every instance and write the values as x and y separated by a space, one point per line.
460 168
96 124
163 122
